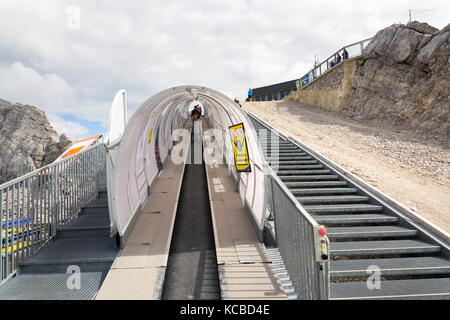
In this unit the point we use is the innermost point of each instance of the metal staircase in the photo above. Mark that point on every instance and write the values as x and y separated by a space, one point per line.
82 244
365 233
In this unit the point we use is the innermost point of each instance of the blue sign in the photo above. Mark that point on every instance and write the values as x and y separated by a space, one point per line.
305 80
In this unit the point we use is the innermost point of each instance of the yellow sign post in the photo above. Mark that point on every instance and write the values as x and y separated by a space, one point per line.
240 149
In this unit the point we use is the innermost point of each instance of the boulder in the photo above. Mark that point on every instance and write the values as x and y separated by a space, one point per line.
27 140
404 78
396 43
422 27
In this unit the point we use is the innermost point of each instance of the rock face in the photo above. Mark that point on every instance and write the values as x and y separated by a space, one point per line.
404 78
27 140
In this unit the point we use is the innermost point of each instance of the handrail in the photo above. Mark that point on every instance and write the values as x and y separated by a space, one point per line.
317 70
295 235
32 173
355 49
34 205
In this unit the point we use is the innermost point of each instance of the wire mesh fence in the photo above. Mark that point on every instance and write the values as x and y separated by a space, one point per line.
294 229
33 206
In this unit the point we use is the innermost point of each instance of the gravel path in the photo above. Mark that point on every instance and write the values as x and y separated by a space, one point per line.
411 167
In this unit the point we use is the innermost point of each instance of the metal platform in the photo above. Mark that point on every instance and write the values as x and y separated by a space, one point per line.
365 227
81 243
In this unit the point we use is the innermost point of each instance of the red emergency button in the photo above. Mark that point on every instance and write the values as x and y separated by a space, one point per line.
323 232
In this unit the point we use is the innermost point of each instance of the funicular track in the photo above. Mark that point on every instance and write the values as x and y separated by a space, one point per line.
368 236
192 267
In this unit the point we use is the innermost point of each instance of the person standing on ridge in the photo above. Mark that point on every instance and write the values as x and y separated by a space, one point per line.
345 54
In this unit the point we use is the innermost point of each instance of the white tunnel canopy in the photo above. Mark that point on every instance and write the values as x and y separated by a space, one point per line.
132 164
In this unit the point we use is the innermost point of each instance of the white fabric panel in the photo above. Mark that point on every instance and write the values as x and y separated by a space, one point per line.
136 163
117 118
151 168
117 123
140 169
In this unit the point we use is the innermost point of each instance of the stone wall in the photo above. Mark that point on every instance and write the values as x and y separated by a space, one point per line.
402 79
332 90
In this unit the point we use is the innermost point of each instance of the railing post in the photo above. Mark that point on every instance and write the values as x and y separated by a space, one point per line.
1 236
97 168
55 210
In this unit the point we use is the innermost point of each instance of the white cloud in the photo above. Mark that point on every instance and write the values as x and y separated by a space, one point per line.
25 85
147 46
71 129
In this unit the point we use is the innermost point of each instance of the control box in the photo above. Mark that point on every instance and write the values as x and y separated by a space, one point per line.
321 244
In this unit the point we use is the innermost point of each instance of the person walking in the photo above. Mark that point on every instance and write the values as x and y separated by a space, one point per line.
250 94
345 54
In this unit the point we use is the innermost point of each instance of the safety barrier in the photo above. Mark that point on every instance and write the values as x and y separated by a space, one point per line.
354 50
296 231
295 238
33 206
281 90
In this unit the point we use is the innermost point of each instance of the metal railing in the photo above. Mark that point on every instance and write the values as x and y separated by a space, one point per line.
273 92
295 230
354 50
33 206
295 239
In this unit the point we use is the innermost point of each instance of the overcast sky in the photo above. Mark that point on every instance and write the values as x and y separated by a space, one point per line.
71 68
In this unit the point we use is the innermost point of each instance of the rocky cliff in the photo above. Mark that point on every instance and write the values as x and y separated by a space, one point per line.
27 140
404 78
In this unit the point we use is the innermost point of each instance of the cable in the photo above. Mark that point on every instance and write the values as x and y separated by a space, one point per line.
431 10
427 15
433 15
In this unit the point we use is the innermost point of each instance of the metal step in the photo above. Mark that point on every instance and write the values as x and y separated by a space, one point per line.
344 208
308 178
286 154
395 290
280 147
275 158
86 226
390 267
303 172
103 195
373 248
98 203
288 162
65 252
327 191
306 167
349 216
294 163
332 199
318 184
52 287
356 219
293 159
95 211
347 233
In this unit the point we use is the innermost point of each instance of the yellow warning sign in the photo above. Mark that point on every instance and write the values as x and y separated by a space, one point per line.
150 136
240 149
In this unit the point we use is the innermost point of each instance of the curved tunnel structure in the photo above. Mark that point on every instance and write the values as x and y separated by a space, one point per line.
137 146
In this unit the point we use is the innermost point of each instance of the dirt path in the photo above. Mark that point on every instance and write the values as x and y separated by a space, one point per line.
410 169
